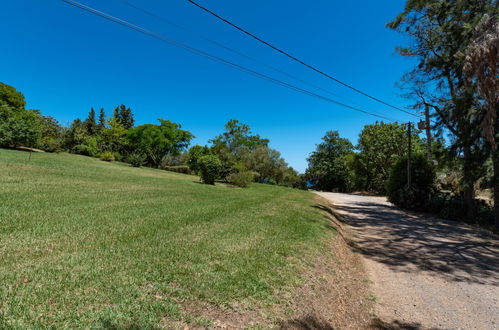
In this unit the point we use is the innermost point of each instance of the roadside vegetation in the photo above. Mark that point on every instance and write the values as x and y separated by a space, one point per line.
87 243
456 81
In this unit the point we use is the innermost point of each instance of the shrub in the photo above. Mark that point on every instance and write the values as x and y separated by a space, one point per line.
51 144
194 154
422 181
136 159
178 169
107 156
242 179
209 168
89 148
451 206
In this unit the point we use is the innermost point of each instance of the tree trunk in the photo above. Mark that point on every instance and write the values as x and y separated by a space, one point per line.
495 183
469 185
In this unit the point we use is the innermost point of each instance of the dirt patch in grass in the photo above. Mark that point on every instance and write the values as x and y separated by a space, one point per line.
335 294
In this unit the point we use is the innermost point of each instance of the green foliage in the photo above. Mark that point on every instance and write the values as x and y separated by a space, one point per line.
209 168
136 159
102 119
242 179
266 162
453 206
124 116
380 146
91 123
19 127
418 193
156 141
194 154
236 136
107 156
10 97
114 137
184 169
328 164
174 160
52 134
441 32
88 147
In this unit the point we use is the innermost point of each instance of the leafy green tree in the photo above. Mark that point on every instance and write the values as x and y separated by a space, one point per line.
266 162
237 136
74 135
440 32
158 140
114 138
327 165
19 127
52 134
11 97
380 146
194 154
417 195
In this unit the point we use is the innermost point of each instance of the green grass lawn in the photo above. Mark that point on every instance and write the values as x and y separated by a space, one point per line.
85 243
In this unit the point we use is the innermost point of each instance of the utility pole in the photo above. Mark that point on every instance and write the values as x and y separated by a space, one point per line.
409 154
428 130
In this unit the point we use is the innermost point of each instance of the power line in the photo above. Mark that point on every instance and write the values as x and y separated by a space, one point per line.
298 60
213 57
161 18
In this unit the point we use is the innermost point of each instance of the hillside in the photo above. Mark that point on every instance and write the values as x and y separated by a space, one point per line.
96 244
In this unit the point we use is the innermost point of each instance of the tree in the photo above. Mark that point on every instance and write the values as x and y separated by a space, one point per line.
52 133
158 140
114 138
124 116
11 97
440 30
417 195
19 127
327 165
266 162
91 123
102 119
236 136
481 68
231 145
380 146
195 153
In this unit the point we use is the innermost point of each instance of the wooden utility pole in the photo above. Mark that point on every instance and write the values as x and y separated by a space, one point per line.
409 154
428 130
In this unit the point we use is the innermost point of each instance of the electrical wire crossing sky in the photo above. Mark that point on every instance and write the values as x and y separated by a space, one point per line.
242 62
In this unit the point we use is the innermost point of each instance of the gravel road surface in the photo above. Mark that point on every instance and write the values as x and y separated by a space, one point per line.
427 273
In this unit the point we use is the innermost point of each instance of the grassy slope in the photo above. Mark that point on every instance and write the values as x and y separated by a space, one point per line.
85 242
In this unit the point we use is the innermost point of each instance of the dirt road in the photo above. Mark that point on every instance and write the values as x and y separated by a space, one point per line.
426 273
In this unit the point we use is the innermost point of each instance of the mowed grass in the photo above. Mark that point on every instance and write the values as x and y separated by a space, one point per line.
85 243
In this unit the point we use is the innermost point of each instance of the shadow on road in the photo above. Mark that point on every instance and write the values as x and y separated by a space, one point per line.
404 241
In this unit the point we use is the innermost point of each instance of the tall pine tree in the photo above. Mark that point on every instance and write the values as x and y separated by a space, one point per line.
102 119
91 123
124 116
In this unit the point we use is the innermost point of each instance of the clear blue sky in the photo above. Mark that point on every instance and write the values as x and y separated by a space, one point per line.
66 61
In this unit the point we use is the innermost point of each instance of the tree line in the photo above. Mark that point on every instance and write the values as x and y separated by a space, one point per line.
237 155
